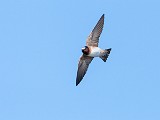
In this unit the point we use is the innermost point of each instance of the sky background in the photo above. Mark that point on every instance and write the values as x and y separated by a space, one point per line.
40 45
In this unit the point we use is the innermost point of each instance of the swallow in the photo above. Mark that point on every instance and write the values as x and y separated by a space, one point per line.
91 50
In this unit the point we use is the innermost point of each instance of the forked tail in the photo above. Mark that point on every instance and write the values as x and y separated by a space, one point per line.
107 52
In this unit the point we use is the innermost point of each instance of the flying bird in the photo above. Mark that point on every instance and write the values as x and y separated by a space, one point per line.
91 50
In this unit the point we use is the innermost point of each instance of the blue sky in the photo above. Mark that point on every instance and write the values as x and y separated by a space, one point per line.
40 44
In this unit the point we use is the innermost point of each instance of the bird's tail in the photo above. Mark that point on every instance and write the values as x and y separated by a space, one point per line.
106 54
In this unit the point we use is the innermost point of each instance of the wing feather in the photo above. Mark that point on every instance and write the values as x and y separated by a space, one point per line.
93 38
82 67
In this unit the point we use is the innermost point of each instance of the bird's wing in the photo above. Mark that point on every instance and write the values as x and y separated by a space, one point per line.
93 38
82 67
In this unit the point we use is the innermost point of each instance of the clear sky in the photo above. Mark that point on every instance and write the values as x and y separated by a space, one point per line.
40 45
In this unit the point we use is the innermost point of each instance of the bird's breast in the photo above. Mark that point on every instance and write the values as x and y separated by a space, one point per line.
95 52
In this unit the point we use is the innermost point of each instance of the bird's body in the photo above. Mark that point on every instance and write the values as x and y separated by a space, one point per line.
91 50
95 52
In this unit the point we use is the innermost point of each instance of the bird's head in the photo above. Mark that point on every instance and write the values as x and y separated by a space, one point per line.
85 50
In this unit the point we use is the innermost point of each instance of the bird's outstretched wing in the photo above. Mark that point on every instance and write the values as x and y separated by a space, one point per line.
93 38
82 67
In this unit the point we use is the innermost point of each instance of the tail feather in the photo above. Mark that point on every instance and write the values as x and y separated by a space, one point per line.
107 52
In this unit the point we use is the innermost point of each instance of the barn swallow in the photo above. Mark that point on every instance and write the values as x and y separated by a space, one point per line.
91 50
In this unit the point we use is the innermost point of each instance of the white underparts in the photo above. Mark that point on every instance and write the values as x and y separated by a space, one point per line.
96 52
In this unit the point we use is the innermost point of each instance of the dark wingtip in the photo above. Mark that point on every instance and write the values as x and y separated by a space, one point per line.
102 16
77 83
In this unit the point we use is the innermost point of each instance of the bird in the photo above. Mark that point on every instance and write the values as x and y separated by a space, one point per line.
91 50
